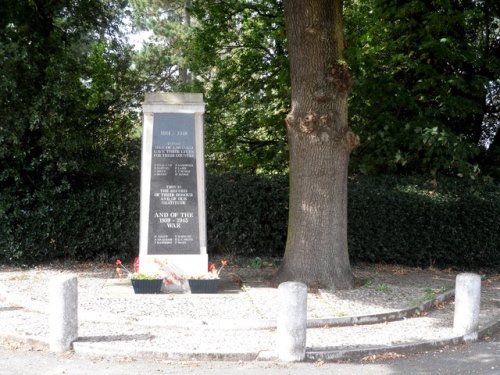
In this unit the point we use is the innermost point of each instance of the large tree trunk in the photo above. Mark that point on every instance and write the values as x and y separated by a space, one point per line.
320 143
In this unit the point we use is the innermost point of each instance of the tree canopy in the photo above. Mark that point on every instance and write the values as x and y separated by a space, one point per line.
425 93
236 54
66 90
425 74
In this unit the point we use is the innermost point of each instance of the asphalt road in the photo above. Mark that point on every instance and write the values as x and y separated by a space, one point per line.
475 358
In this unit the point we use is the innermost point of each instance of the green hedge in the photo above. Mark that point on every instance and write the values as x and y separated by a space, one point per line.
86 223
391 219
408 221
247 214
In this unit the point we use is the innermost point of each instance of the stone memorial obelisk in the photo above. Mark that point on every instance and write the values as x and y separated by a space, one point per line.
172 219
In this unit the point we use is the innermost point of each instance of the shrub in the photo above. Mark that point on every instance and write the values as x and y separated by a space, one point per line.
247 214
406 220
392 219
85 223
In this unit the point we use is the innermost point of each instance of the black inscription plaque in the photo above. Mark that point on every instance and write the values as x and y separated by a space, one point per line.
173 208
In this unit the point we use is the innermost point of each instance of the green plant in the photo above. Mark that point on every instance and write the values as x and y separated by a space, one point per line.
144 276
340 313
256 263
262 262
488 334
429 293
379 287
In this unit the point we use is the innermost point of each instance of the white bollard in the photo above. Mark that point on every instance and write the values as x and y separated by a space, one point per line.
467 301
63 314
292 321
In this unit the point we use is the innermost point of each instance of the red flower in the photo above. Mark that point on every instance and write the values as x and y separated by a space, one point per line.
119 267
211 267
170 279
136 264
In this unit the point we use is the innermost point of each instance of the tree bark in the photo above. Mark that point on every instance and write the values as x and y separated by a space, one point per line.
320 143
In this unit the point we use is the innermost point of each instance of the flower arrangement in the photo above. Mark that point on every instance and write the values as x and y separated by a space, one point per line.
169 275
119 268
213 272
171 279
208 283
136 275
141 282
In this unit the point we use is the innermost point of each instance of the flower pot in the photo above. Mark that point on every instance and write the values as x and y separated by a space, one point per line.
147 286
204 286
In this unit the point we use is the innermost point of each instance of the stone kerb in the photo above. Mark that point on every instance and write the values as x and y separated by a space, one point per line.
63 312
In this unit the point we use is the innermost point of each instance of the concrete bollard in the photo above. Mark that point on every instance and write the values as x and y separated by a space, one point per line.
467 302
292 322
63 313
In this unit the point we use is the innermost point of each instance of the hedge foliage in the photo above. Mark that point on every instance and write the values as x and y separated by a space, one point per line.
408 221
247 214
392 219
86 223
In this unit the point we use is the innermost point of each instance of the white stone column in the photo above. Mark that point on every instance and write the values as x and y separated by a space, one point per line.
467 303
292 321
63 313
173 120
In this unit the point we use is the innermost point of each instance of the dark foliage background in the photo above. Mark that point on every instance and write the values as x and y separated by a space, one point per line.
405 220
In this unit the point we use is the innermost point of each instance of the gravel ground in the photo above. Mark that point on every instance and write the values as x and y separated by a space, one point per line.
111 313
